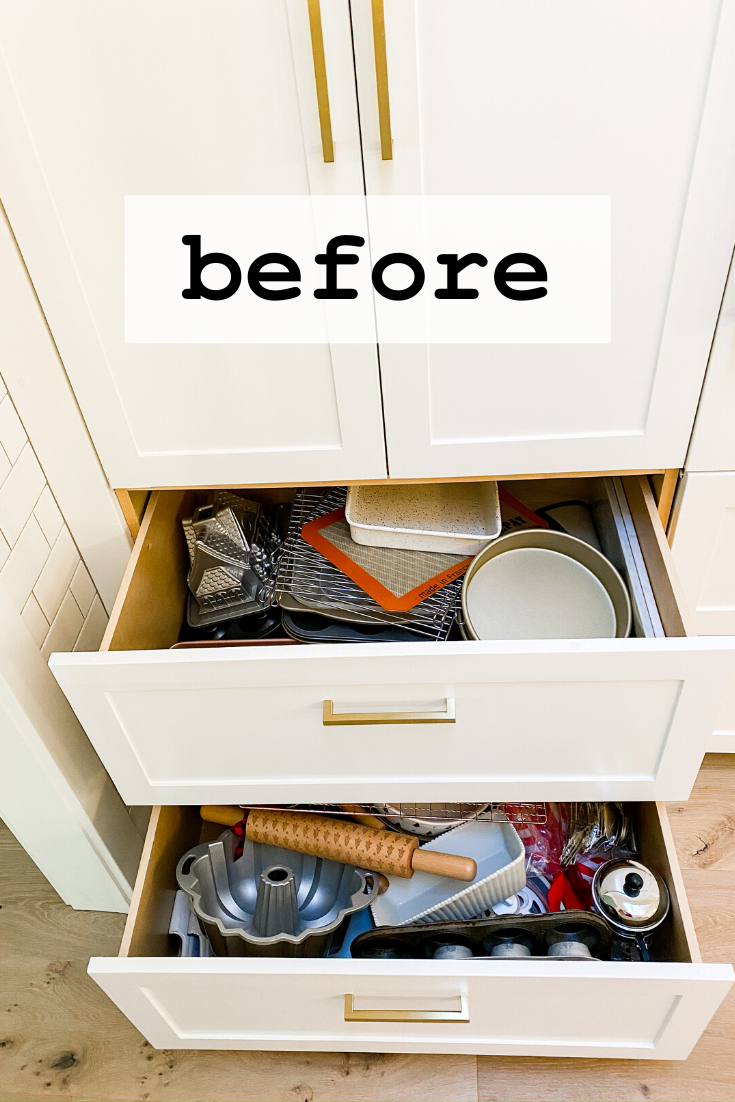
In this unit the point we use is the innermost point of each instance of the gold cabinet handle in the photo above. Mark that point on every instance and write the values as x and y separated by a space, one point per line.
320 76
352 1015
381 77
330 718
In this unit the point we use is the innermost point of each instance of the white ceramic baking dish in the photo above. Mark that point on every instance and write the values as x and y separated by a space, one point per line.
454 517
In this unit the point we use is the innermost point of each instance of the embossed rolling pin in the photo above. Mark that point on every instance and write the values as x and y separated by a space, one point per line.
341 840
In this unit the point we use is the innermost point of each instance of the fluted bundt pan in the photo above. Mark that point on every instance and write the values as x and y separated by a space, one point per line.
270 901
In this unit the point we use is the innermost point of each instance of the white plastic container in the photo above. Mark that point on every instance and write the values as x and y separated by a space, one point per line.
454 518
501 872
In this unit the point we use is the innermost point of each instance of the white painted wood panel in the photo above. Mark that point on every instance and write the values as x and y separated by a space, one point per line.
703 547
712 446
55 795
177 98
541 1008
550 720
615 98
722 739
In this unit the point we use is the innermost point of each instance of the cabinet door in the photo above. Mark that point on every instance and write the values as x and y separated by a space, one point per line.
101 99
616 98
703 545
713 441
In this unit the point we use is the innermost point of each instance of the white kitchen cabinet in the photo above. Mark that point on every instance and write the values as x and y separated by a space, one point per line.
570 719
703 546
540 1007
616 98
99 100
712 446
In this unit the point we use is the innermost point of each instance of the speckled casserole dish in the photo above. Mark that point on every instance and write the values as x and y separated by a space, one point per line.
454 518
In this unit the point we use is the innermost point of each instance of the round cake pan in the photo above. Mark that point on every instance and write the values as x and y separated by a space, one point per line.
533 596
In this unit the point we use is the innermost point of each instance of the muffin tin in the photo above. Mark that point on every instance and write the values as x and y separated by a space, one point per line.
540 932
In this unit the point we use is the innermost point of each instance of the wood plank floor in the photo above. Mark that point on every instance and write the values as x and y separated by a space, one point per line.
60 1036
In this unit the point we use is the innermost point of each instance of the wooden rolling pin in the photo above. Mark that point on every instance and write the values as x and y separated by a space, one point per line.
341 840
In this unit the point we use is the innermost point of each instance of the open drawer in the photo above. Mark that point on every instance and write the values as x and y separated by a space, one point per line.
528 720
542 1008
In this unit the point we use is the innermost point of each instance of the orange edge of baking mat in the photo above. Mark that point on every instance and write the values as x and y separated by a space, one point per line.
311 532
522 509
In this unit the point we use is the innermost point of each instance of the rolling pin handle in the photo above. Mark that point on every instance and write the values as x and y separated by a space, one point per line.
444 864
222 814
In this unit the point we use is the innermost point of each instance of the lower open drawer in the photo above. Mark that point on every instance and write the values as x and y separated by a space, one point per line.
528 1008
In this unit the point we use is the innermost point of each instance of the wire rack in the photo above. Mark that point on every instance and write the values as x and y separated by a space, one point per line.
314 581
534 813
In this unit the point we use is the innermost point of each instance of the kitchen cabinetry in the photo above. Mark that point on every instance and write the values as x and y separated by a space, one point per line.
703 546
180 98
618 99
712 447
485 97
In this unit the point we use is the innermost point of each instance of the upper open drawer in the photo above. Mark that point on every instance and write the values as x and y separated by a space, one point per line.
509 720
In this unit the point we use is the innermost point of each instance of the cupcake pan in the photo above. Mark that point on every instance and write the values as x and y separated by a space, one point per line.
542 931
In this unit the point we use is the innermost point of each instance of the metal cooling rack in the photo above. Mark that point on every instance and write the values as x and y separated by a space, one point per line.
311 578
533 813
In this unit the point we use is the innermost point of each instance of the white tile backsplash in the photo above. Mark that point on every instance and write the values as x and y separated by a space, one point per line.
35 620
65 629
12 434
91 634
83 589
25 563
5 466
40 566
46 512
56 576
19 493
4 551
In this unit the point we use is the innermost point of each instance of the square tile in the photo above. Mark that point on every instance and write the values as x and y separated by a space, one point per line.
35 621
48 516
25 563
65 628
83 589
91 634
12 434
19 493
51 587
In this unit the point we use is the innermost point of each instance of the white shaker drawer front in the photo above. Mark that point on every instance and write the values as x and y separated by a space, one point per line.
538 1007
607 1009
560 720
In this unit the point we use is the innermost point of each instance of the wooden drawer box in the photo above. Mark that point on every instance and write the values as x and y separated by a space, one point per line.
540 719
542 1008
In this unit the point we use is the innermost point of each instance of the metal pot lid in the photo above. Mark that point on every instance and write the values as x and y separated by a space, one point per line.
630 895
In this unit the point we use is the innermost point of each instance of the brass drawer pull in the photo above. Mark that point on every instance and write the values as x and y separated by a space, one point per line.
381 77
352 1015
330 718
320 75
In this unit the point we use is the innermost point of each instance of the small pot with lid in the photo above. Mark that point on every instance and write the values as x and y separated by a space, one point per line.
631 898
